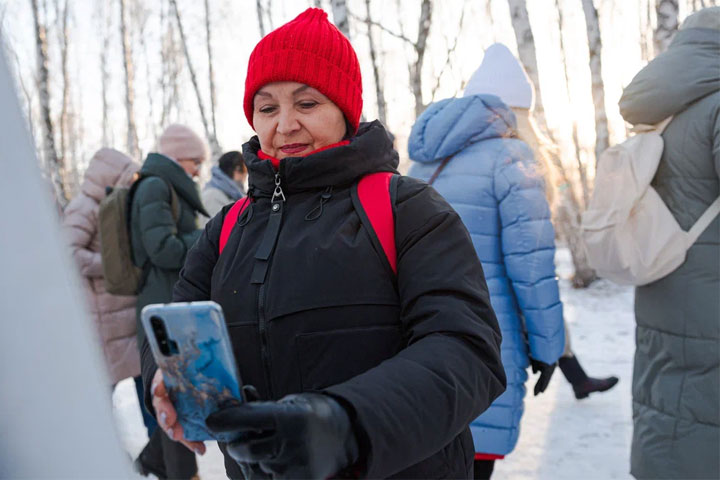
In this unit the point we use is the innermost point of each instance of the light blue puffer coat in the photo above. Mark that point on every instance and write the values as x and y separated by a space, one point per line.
491 182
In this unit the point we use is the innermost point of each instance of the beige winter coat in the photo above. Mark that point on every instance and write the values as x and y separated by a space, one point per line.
114 315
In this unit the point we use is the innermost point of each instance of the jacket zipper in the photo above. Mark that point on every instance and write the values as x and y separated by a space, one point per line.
260 271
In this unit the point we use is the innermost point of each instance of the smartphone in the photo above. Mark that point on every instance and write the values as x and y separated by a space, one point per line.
191 346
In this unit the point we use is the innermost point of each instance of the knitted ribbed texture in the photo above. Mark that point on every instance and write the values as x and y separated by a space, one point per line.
312 51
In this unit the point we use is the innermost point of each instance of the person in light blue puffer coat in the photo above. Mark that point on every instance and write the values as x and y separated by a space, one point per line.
493 182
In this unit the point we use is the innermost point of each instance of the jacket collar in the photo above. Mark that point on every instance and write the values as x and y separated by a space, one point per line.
368 152
161 166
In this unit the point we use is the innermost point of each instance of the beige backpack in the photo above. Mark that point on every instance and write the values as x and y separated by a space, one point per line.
630 235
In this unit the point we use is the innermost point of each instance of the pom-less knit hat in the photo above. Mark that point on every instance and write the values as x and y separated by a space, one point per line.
501 74
312 51
180 142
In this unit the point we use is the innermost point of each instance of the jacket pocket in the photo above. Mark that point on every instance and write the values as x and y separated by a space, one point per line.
332 357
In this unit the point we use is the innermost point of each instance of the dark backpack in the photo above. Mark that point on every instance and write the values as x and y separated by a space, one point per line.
122 276
371 198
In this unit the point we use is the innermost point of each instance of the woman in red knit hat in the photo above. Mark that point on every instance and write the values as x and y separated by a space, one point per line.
370 352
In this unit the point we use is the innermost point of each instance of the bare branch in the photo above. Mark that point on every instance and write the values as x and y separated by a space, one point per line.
132 138
379 91
193 77
451 50
383 28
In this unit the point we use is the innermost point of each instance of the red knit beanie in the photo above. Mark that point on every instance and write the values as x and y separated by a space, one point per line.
312 51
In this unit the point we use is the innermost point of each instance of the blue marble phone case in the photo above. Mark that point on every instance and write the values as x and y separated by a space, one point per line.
198 365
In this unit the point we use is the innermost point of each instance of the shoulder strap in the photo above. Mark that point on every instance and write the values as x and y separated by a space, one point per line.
702 223
373 192
174 201
439 169
230 220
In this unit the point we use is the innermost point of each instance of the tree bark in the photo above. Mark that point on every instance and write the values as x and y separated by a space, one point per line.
667 24
582 170
528 57
340 16
420 45
132 138
49 154
214 146
598 87
379 90
211 74
62 15
105 80
261 22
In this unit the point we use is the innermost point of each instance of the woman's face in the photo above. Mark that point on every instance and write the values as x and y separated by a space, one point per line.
293 119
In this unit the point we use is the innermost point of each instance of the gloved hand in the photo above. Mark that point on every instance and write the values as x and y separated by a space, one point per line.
307 435
546 372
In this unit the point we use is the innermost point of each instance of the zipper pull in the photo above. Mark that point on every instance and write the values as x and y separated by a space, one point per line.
278 193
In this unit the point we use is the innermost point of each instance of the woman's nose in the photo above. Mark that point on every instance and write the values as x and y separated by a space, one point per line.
287 123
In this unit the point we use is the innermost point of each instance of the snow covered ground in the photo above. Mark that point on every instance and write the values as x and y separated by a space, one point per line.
561 438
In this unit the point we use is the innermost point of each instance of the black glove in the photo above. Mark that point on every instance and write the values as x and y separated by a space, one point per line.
307 435
546 372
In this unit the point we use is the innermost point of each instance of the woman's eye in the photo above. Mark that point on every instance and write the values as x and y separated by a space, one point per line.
266 109
307 105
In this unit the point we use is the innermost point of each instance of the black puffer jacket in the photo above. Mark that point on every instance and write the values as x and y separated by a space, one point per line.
415 357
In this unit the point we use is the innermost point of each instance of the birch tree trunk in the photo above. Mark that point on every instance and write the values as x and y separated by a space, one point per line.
132 138
105 80
379 90
62 15
528 57
420 46
598 87
645 26
212 140
49 154
667 24
582 170
340 16
170 66
261 22
211 74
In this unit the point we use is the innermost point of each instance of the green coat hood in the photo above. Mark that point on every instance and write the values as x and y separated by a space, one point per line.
687 71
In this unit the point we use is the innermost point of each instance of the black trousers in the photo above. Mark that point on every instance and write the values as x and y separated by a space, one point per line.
483 469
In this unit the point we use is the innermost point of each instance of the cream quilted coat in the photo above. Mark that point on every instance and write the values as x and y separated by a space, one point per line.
113 315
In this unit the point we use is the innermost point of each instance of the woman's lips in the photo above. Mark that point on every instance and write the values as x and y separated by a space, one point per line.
293 148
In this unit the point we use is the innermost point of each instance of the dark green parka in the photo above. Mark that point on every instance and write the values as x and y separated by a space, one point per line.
156 237
676 398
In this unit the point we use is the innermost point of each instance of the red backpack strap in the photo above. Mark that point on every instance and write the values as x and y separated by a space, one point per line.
373 194
230 220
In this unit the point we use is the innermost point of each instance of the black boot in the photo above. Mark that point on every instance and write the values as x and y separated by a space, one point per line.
581 383
150 460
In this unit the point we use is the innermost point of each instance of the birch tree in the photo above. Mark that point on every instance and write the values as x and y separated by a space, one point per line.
340 16
211 74
49 153
379 90
566 214
129 68
526 53
261 21
212 139
170 66
105 78
582 170
667 24
598 87
61 9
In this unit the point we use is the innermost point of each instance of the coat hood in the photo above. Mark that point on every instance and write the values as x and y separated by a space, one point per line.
683 74
161 166
450 125
108 168
369 151
220 181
